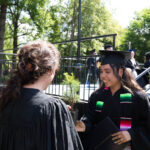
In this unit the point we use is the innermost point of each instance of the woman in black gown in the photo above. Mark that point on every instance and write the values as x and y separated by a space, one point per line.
29 118
122 101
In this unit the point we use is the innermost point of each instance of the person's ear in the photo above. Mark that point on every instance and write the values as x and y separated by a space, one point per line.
120 72
51 72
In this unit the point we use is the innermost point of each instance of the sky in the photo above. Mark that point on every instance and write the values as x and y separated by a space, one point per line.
124 10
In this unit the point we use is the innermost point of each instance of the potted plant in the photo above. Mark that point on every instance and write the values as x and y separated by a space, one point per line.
70 94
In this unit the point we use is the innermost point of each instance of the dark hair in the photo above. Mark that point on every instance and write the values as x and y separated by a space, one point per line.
127 80
35 59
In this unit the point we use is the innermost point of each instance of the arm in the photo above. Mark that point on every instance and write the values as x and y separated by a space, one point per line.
140 132
89 117
55 127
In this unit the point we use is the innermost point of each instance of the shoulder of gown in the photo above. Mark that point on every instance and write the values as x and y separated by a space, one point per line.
140 133
58 129
50 126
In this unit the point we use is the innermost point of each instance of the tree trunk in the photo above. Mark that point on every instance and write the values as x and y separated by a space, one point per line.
15 43
15 37
2 32
73 26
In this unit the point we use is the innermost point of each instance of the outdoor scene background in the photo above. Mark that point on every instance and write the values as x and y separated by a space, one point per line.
22 21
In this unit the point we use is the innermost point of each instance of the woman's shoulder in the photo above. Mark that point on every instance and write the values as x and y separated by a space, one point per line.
135 93
39 100
44 99
140 96
47 105
99 93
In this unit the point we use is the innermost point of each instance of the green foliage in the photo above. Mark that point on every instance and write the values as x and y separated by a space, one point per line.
58 21
4 78
31 18
4 2
40 16
138 34
72 88
96 20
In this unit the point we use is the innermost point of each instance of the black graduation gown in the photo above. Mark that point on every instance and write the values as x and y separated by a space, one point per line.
144 79
140 113
37 121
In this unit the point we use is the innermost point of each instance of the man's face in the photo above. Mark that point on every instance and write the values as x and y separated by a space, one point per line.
94 53
132 54
109 49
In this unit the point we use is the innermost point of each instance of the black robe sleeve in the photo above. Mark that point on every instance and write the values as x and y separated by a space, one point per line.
129 64
55 128
140 132
89 117
37 122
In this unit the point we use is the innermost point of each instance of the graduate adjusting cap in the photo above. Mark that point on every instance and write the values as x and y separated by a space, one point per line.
118 58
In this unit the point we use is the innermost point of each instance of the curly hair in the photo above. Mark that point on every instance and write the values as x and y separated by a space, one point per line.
35 59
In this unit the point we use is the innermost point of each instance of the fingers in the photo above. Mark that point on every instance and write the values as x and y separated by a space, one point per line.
117 133
69 107
80 126
119 141
121 137
79 123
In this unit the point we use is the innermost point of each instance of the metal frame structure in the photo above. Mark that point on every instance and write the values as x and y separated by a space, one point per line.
79 39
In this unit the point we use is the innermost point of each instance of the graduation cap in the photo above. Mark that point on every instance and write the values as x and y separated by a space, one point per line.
92 51
131 50
118 58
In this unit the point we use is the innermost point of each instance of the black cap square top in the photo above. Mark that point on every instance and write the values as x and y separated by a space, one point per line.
118 58
92 51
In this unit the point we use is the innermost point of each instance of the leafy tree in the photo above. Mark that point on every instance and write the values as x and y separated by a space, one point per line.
3 8
138 33
25 21
58 21
96 20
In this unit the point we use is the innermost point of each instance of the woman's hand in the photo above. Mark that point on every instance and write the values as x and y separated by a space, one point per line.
69 107
121 137
80 126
